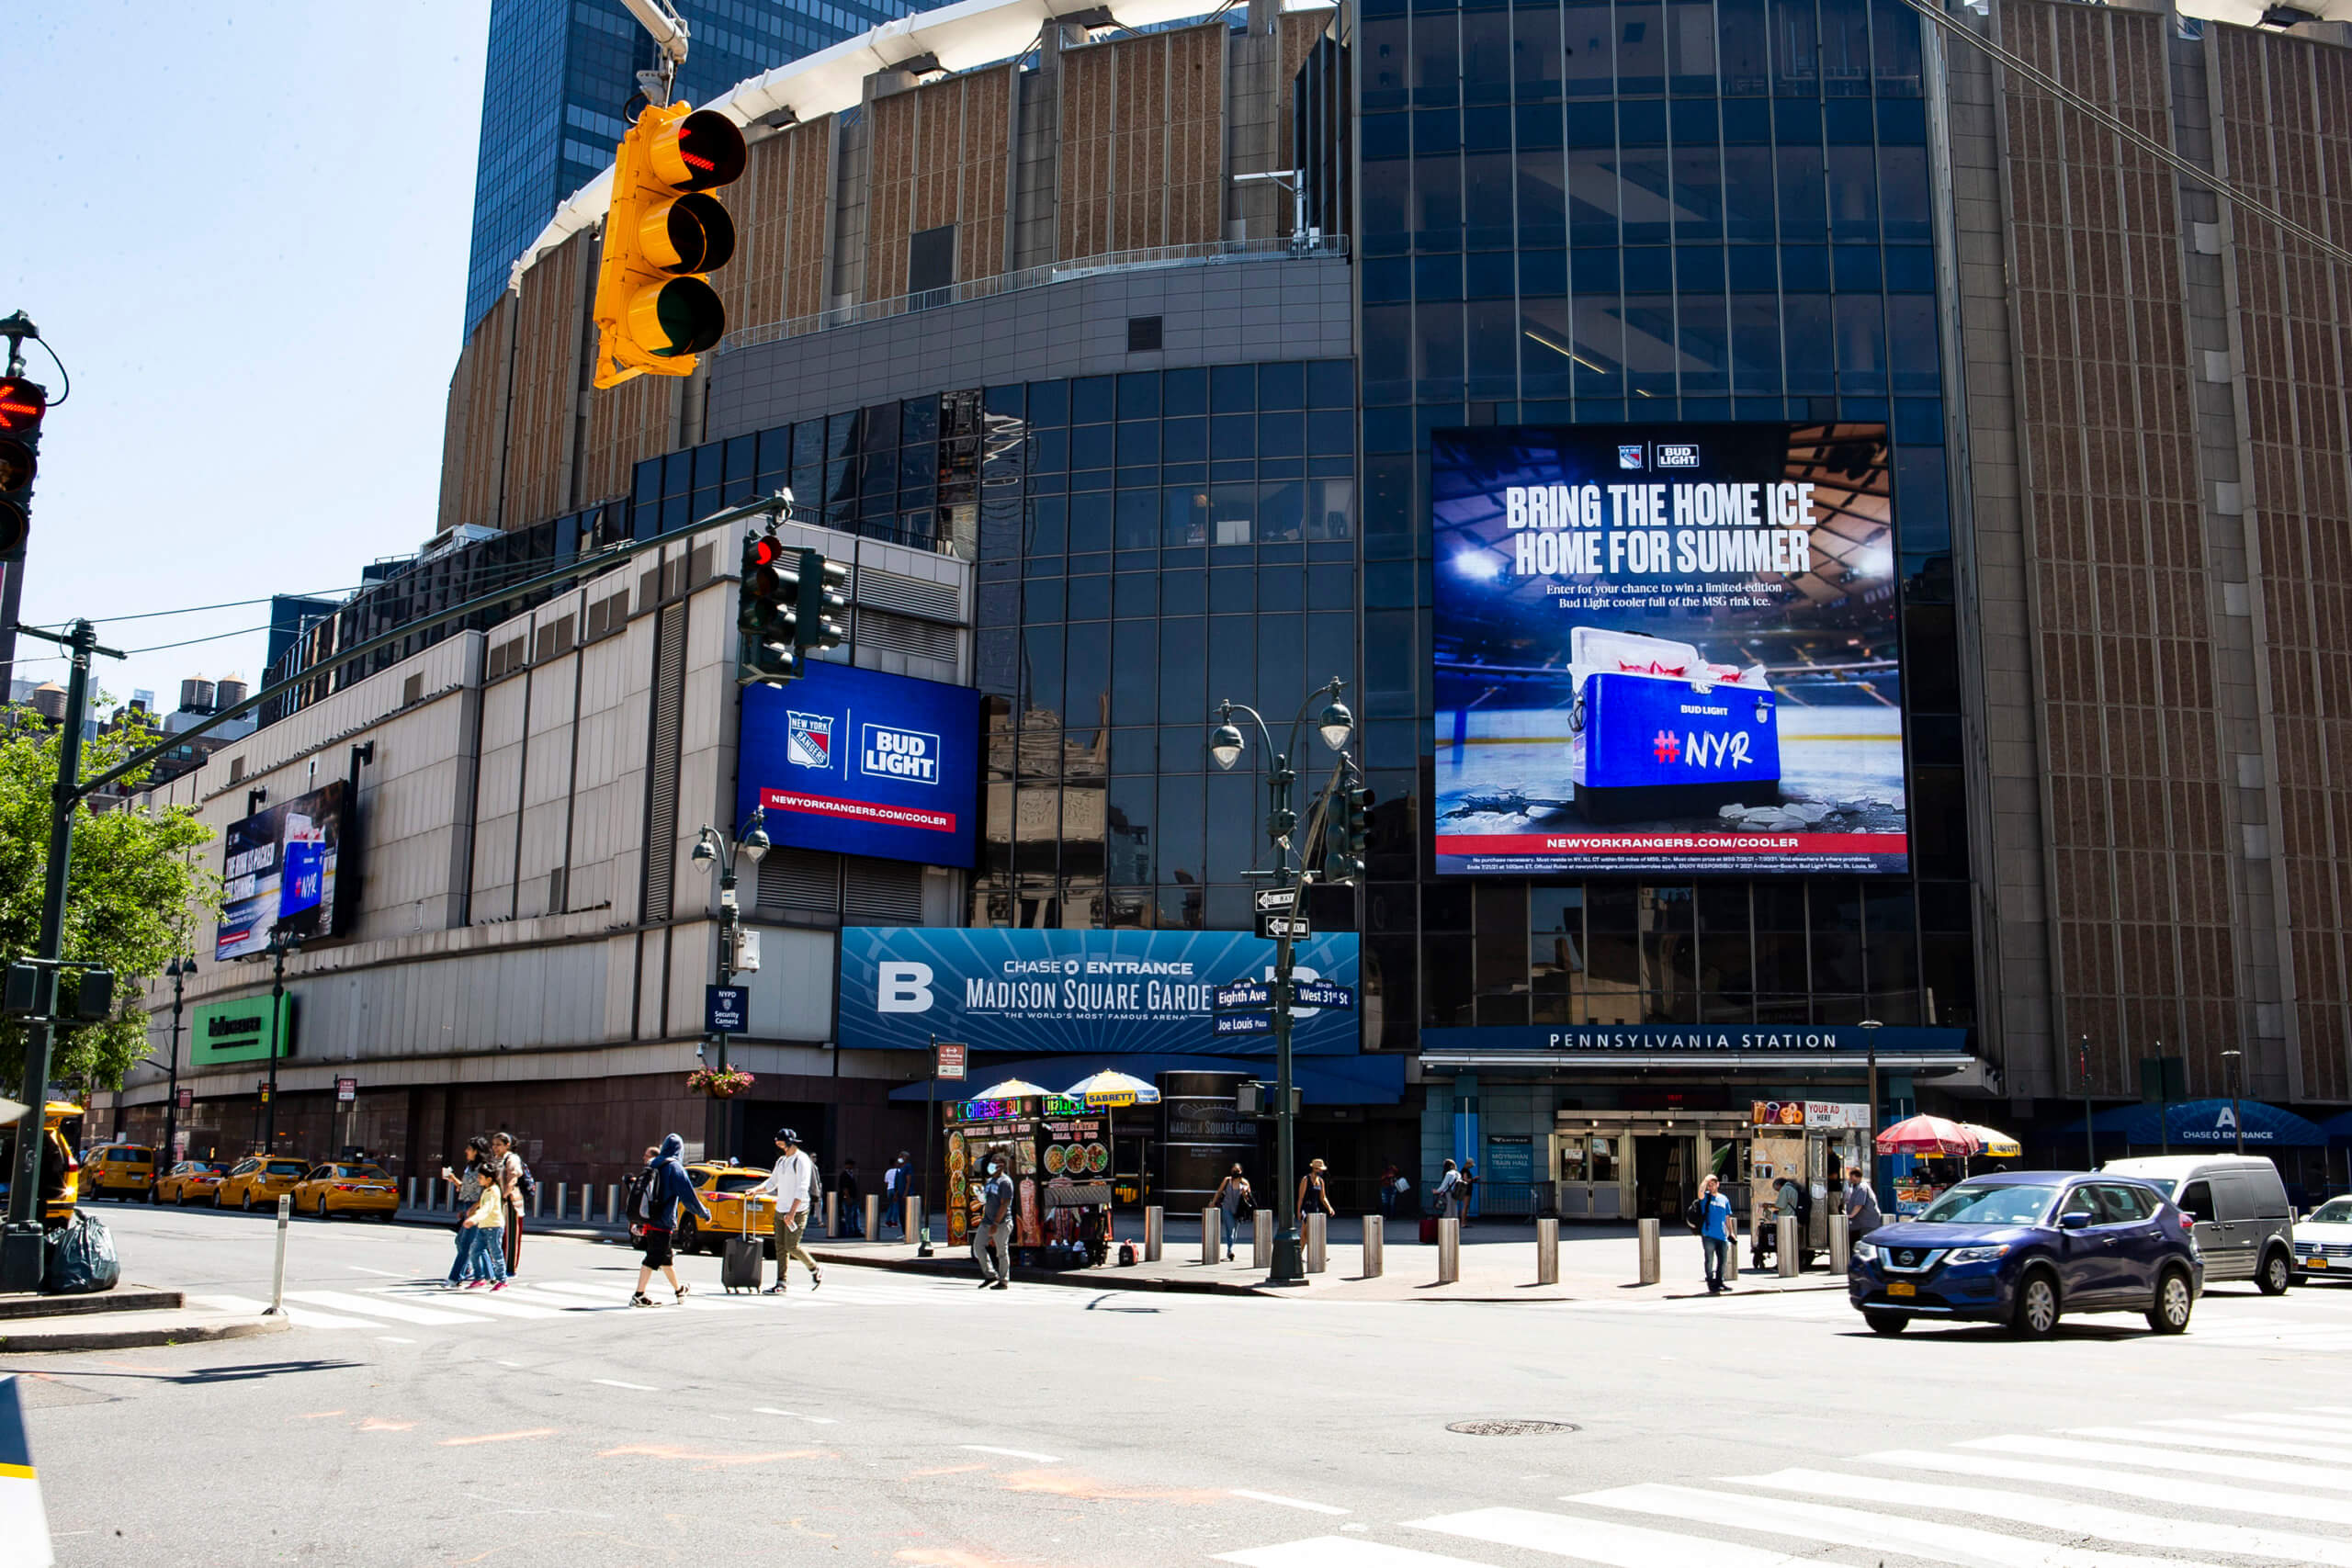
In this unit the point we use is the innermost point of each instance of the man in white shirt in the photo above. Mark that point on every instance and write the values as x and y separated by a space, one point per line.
793 1183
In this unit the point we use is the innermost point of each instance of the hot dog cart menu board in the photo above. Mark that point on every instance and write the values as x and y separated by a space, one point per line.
1076 1148
967 1147
1666 649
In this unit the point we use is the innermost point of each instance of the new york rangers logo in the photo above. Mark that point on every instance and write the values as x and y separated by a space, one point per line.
809 740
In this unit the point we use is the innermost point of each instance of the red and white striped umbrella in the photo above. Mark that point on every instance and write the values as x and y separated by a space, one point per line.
1927 1135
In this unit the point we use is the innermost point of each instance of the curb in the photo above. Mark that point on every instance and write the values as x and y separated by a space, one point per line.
138 1338
1090 1279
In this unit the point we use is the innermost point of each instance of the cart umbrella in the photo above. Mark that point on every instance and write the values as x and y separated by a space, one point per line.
1106 1091
1012 1089
1927 1135
1993 1143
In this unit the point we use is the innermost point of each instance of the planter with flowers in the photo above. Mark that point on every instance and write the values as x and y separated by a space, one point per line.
719 1083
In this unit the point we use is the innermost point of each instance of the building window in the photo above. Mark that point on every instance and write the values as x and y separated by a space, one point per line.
1143 334
931 259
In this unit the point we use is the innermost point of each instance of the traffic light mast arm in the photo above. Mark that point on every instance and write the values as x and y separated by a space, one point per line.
668 29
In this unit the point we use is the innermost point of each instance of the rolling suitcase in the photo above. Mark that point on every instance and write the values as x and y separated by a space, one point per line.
739 1267
1429 1229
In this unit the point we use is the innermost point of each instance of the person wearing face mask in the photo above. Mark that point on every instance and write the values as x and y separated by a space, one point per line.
993 1237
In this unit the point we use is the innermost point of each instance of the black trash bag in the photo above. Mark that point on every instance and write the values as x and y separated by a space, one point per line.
81 1259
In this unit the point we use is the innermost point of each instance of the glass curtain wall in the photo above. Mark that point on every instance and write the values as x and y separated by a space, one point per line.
1576 211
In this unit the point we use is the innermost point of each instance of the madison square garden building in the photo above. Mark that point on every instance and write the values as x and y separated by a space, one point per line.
1816 533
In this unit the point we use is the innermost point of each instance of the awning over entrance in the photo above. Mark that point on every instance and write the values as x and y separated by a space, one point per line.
1759 1048
1322 1080
2208 1124
2338 1128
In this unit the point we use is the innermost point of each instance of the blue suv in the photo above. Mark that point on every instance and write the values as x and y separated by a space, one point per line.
2021 1247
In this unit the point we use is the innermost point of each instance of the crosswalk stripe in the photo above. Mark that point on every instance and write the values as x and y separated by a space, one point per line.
1337 1552
2301 1418
399 1311
2232 1465
1853 1527
2153 1488
301 1316
2290 1428
2072 1516
1603 1540
500 1305
2176 1437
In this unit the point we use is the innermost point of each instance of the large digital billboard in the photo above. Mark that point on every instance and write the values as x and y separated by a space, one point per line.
279 868
1666 649
863 762
1041 991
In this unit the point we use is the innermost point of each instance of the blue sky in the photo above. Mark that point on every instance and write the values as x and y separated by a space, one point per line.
243 225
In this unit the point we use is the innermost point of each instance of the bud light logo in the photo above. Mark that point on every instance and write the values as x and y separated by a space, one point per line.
809 740
1629 456
908 754
1672 454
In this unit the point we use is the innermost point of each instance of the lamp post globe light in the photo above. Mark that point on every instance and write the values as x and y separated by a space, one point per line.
1226 743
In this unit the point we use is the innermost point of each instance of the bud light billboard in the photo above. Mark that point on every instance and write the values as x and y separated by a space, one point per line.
864 763
279 873
1666 650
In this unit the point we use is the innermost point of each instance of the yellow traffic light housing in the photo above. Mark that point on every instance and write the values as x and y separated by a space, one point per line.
655 307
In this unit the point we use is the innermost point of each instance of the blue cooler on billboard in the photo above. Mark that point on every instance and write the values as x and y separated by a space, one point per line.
1658 731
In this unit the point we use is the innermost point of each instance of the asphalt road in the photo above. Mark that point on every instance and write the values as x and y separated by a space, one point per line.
896 1420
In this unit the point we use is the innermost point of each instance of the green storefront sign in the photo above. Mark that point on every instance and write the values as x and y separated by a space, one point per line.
240 1031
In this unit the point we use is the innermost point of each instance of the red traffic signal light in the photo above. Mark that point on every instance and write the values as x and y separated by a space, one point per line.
22 404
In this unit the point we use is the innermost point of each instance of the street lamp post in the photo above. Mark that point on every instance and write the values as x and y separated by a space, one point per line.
281 944
712 849
1870 1027
2090 1137
1226 744
2232 1060
180 970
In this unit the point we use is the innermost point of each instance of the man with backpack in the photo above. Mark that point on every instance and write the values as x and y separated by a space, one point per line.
667 1187
1710 1214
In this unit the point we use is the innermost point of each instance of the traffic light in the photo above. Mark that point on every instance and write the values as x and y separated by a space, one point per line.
768 617
22 404
655 307
824 597
1351 827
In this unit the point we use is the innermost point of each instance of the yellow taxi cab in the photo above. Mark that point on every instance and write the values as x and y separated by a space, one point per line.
191 1181
722 1186
60 1169
347 1187
255 1179
122 1171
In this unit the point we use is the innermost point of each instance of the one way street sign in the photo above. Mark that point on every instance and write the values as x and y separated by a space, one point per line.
1272 898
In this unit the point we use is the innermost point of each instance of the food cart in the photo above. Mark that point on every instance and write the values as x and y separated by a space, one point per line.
1936 1153
1060 1156
1811 1142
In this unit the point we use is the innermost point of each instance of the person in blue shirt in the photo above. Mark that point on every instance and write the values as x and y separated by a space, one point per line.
1717 1232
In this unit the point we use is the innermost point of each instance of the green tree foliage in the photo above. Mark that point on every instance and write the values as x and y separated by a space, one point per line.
132 887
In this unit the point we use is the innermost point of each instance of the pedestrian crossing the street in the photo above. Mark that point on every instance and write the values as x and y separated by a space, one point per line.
385 1308
2250 1487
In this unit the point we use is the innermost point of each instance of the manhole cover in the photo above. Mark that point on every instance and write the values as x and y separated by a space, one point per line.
1510 1429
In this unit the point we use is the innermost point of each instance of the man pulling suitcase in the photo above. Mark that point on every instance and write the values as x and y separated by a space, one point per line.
793 1183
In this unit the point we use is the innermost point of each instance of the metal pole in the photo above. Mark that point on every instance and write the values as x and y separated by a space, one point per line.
21 1246
1870 1043
930 1121
172 1097
277 1307
2090 1138
2230 1062
277 1045
2164 1099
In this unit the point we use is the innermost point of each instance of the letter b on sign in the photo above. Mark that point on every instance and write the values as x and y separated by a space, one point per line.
902 987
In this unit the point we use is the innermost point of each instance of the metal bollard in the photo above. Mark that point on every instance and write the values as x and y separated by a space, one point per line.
1646 1231
1449 1252
411 1191
913 1218
1375 1244
1840 1248
1548 1252
277 1274
612 1202
1211 1250
563 1201
1317 1228
832 1215
538 1202
1261 1239
874 1216
1731 1256
1784 1245
1155 1223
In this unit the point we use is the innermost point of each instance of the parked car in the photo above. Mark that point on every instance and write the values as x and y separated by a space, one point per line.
2244 1225
60 1168
191 1181
255 1177
2023 1248
2324 1242
348 1188
122 1171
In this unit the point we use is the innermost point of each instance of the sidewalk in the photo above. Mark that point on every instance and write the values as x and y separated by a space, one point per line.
127 1317
1498 1264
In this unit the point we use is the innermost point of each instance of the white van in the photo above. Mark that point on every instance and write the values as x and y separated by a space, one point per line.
2244 1227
